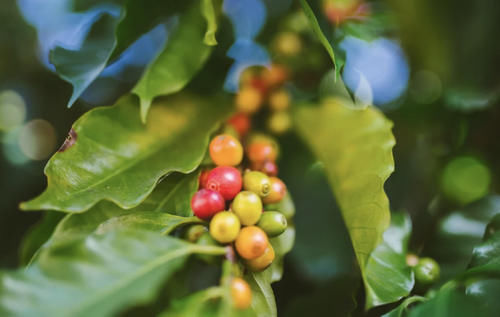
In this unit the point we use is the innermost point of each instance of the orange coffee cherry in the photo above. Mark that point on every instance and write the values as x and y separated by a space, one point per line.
225 150
241 293
251 242
263 261
277 192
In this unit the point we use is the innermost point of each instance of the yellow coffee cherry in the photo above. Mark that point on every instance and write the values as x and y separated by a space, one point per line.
279 100
225 227
279 122
248 100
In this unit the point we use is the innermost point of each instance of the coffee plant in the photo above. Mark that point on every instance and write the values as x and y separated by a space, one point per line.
184 197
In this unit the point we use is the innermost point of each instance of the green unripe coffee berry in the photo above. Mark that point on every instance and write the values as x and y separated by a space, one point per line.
426 271
248 207
224 227
273 223
285 206
257 182
194 232
206 240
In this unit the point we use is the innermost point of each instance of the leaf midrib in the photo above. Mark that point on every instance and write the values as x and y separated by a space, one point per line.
102 293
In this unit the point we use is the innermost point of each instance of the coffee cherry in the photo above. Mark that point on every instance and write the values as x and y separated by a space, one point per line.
225 150
241 293
261 151
426 271
263 261
278 191
248 100
279 122
267 167
251 242
273 223
206 203
224 227
202 180
241 123
206 240
257 182
275 75
226 180
194 232
279 100
248 207
287 44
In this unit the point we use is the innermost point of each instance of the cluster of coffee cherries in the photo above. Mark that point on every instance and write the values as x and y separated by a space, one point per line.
235 202
265 87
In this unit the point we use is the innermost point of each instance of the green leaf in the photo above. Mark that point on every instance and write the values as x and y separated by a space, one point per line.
355 147
459 232
202 303
319 34
263 302
116 157
486 256
183 56
96 276
282 244
208 11
146 220
171 195
403 308
449 302
140 17
388 278
38 235
81 67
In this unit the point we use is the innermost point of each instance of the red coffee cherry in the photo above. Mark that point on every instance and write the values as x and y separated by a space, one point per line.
206 203
267 167
202 180
241 123
277 192
225 150
226 180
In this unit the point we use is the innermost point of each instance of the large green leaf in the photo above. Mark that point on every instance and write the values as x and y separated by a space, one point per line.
313 21
147 220
388 277
355 147
263 302
183 56
81 67
38 235
114 156
172 195
96 276
140 17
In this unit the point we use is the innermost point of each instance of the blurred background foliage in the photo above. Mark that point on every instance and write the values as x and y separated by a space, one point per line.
431 66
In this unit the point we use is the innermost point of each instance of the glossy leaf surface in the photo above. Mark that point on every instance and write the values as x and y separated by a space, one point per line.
114 156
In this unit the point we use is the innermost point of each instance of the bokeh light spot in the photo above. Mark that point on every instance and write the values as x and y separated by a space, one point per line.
465 179
425 87
12 110
37 139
